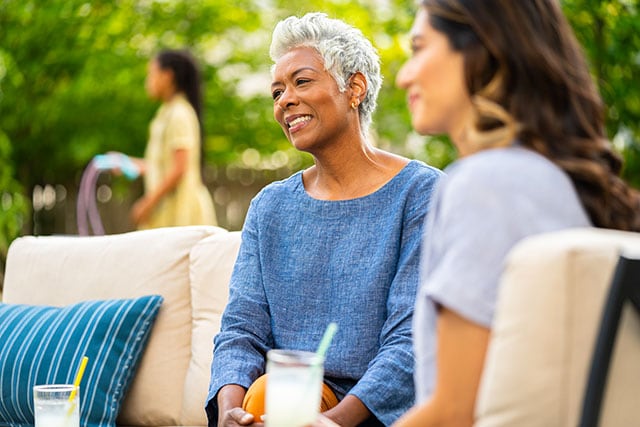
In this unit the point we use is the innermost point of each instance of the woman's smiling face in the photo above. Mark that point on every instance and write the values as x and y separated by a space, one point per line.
307 102
434 79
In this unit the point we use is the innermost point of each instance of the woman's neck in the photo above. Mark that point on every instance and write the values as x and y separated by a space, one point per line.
169 94
354 171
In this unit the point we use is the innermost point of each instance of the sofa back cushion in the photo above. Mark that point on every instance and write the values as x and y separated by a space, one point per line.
212 261
62 270
548 313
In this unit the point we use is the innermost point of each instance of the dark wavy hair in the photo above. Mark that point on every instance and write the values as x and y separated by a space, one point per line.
529 80
187 78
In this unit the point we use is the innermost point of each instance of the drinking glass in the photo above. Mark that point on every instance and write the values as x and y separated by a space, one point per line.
53 407
294 388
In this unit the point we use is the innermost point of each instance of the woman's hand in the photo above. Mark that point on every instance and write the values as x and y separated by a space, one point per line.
230 412
238 417
323 421
120 163
141 210
348 413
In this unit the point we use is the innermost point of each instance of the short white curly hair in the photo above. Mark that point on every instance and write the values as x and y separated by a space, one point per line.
344 50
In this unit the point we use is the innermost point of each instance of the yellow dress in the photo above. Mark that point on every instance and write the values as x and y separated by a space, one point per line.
175 126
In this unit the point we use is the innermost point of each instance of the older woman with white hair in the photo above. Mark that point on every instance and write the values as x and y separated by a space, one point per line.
338 242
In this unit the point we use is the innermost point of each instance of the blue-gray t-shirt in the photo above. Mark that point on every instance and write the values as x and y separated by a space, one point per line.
486 204
304 263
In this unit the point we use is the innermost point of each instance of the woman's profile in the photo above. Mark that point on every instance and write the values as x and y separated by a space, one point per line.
509 84
174 193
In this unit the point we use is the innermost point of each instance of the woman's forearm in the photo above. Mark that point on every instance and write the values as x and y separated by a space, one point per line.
173 177
462 345
229 397
349 412
143 208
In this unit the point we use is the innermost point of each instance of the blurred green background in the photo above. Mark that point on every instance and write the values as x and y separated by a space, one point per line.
72 86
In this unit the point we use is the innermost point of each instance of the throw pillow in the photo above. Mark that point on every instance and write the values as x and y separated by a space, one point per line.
45 345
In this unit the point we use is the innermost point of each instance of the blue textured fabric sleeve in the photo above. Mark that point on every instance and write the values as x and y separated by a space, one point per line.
245 337
387 386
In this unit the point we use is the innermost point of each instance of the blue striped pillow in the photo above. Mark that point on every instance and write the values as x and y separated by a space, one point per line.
44 345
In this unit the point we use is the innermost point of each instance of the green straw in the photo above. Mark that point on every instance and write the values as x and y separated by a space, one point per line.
326 339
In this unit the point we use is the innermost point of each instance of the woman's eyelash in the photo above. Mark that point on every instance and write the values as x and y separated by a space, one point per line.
276 93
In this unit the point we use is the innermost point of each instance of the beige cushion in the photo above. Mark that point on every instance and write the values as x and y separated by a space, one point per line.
59 270
548 312
212 261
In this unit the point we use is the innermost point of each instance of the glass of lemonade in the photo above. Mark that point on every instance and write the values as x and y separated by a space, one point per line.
294 387
53 407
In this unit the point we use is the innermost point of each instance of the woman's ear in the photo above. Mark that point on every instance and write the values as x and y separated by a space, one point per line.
170 74
358 86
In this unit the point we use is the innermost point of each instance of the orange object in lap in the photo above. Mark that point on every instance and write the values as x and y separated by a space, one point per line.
254 400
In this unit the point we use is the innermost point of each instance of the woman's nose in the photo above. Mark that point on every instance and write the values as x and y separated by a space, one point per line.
287 98
402 78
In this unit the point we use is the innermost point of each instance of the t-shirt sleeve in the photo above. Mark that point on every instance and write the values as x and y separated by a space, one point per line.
245 334
474 227
486 206
182 128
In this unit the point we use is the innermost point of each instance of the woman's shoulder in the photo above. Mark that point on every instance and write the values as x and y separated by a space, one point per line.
509 165
405 167
507 176
179 108
411 188
418 168
280 189
417 175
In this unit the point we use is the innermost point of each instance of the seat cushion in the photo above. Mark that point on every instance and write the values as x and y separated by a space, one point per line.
45 345
547 317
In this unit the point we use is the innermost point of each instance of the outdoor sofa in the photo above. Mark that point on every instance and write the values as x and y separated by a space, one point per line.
188 266
549 309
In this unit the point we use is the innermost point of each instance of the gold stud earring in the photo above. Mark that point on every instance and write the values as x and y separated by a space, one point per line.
354 105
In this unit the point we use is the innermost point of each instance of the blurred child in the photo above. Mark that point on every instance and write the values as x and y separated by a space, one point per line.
174 193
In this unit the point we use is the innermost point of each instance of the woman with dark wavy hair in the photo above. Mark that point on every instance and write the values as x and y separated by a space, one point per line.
508 82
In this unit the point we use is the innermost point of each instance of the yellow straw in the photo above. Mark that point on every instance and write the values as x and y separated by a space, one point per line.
76 382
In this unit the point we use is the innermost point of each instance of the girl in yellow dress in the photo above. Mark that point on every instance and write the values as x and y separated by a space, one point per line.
174 193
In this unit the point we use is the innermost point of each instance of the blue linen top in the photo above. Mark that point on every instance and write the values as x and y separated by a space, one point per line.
304 263
486 204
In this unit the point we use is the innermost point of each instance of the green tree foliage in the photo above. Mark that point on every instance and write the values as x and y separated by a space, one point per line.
72 80
609 30
13 204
